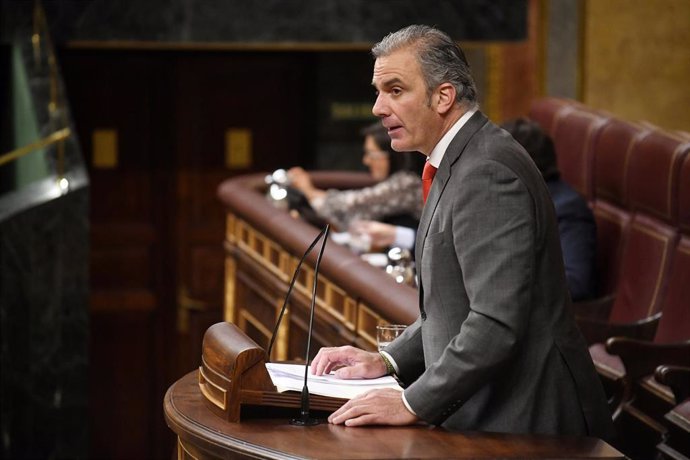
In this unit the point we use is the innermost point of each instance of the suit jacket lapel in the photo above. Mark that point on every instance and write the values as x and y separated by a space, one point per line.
455 149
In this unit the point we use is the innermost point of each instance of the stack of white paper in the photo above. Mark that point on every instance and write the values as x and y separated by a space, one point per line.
288 377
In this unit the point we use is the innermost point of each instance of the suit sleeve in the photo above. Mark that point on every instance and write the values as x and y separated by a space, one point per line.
492 230
408 353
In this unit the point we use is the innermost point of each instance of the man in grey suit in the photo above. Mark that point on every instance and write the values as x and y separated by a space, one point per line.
495 347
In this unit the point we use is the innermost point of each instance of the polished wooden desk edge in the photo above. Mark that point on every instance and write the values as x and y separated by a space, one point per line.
216 442
211 438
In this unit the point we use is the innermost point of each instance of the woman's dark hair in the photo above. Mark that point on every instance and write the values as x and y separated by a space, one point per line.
399 161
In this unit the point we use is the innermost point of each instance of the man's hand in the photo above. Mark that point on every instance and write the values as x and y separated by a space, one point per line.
376 407
348 363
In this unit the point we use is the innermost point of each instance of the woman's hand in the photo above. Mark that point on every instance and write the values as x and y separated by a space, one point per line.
301 180
381 235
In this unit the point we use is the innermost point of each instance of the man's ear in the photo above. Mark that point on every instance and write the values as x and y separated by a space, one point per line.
445 96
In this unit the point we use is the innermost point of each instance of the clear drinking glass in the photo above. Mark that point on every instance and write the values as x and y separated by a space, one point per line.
386 333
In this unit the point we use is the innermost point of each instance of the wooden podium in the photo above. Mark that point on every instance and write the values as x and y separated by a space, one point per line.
229 408
233 377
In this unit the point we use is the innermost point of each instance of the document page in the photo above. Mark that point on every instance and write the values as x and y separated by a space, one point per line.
288 377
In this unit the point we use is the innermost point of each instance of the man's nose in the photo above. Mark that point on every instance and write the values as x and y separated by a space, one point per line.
379 109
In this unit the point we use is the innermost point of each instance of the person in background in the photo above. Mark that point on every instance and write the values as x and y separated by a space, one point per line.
387 211
576 225
495 347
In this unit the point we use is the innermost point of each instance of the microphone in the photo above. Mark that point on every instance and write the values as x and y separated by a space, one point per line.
292 285
305 419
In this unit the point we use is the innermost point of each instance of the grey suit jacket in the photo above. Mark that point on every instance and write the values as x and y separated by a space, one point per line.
495 347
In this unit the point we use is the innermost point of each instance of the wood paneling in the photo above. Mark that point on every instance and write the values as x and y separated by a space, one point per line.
157 227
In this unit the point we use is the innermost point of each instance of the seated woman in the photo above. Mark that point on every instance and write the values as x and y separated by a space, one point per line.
396 199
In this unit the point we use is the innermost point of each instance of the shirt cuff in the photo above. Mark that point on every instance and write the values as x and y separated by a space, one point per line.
407 405
404 237
395 366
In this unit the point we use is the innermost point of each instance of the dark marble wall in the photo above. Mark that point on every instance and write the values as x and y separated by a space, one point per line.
282 20
44 244
44 330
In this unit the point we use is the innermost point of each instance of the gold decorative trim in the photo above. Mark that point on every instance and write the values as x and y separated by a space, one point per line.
57 136
365 318
230 276
259 247
246 317
283 333
230 221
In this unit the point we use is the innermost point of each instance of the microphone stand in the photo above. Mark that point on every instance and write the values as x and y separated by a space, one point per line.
305 419
292 285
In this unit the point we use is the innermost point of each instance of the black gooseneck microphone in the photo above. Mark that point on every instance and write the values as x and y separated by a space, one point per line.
305 419
325 230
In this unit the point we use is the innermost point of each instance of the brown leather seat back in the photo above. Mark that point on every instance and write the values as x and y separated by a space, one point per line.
652 187
611 150
674 325
547 110
644 265
573 135
654 170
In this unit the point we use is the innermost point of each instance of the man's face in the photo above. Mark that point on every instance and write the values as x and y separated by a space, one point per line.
403 104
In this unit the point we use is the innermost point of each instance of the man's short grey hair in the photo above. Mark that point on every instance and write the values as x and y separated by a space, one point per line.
440 59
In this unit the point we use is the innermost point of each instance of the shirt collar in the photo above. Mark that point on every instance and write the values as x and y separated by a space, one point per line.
440 149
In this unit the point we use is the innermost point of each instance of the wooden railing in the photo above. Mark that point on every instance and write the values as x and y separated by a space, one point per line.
264 245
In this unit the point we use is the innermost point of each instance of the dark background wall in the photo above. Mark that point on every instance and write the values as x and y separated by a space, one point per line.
282 21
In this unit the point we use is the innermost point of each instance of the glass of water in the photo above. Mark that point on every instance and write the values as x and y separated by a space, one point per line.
386 333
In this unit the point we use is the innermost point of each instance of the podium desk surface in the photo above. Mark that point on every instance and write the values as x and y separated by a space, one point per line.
202 434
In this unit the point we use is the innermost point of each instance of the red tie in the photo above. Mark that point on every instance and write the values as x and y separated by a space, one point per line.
427 178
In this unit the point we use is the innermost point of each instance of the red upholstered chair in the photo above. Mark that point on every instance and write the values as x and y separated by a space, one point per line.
650 188
643 401
653 185
574 133
657 158
547 110
648 250
611 153
633 361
